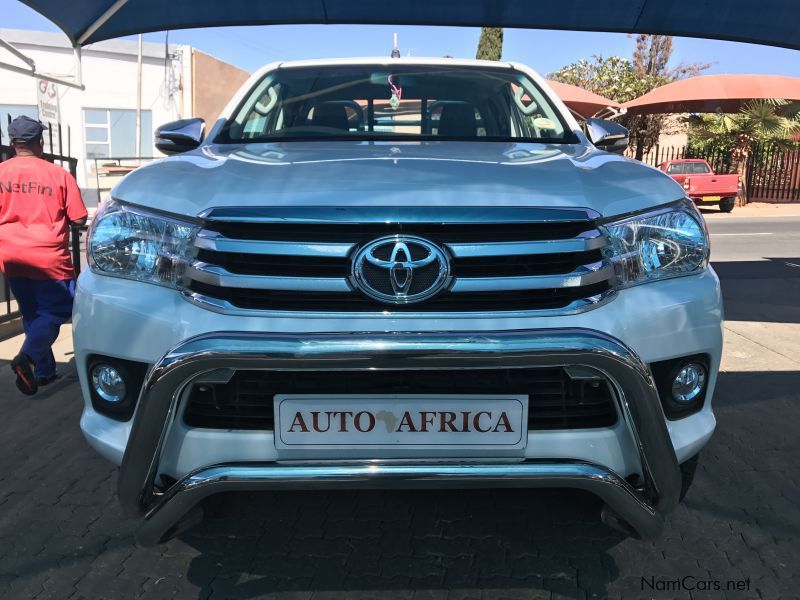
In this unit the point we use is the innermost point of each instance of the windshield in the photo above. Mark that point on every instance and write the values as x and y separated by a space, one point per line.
688 168
396 103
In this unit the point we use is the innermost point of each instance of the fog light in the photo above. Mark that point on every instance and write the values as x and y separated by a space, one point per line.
689 382
108 383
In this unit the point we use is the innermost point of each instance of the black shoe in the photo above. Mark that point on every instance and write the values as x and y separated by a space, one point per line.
43 381
26 382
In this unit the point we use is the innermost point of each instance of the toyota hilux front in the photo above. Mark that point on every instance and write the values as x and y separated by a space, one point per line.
397 273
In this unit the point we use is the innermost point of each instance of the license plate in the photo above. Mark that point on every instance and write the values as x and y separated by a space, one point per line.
364 421
710 198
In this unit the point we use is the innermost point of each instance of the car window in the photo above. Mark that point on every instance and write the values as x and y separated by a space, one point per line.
688 168
404 102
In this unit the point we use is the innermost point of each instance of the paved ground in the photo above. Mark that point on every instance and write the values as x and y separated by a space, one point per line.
62 534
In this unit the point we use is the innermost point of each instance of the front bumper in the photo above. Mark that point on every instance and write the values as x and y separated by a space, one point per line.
636 507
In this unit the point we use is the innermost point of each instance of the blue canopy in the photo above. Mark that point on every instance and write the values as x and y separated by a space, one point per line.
771 22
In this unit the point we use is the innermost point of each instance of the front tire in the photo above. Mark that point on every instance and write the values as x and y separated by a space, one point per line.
726 204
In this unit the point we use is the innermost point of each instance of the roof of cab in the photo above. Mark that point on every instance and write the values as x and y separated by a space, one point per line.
386 60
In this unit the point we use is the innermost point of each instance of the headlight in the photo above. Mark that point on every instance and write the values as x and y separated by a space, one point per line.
668 242
132 243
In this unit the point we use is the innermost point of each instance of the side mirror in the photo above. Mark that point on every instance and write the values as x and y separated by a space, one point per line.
607 135
180 136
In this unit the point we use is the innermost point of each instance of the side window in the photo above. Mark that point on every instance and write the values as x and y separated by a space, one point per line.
701 169
680 169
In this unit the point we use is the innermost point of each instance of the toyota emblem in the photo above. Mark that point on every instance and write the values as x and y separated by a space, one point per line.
400 269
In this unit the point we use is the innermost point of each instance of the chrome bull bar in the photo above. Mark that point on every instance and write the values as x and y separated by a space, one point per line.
635 509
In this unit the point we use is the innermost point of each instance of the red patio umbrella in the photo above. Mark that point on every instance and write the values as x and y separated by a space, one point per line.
712 93
581 101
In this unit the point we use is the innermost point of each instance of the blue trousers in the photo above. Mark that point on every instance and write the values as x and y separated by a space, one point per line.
45 306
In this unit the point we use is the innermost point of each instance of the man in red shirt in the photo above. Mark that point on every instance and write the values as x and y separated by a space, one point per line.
38 202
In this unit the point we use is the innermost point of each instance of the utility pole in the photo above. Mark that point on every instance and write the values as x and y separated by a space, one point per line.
139 100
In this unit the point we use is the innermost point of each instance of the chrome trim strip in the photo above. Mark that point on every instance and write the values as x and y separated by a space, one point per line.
220 277
407 215
191 490
635 392
586 275
589 241
226 308
211 240
683 202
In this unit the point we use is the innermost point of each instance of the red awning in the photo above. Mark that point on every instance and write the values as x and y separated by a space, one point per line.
581 101
712 93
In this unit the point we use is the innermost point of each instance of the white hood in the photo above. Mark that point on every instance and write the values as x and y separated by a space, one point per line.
343 173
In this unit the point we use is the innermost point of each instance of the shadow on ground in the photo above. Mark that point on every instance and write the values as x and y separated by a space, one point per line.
397 542
765 290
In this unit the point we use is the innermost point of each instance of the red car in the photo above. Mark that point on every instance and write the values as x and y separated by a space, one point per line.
701 183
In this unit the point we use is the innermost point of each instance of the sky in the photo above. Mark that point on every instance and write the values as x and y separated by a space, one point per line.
545 51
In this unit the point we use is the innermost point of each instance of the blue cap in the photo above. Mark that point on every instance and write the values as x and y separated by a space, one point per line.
24 129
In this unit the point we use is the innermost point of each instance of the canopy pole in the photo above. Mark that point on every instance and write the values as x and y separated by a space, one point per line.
611 113
76 52
27 60
32 72
110 12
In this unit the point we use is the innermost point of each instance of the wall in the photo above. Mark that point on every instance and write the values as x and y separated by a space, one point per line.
214 82
674 132
109 72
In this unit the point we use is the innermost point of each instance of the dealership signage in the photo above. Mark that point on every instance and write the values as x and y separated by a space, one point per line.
49 111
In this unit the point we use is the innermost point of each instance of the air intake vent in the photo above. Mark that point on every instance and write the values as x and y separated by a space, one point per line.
555 400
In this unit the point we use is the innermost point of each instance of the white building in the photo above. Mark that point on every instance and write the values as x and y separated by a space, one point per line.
100 121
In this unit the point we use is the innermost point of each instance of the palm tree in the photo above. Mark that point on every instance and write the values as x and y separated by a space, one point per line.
759 121
773 122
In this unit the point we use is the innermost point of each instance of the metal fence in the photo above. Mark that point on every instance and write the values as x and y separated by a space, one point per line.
8 307
720 160
772 173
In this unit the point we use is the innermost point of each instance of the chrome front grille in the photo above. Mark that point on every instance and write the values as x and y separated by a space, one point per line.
299 259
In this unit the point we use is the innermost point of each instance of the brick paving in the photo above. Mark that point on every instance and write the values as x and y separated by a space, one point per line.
62 534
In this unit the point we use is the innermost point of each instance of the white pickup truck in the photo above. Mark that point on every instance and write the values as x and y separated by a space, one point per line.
397 273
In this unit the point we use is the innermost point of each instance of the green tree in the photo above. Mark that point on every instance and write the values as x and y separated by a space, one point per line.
652 56
651 61
613 77
772 122
618 79
622 80
490 44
